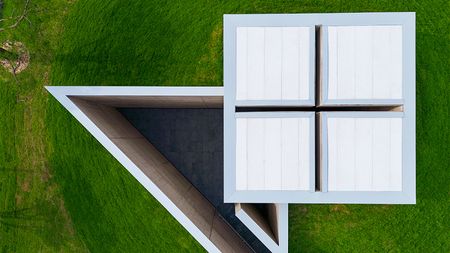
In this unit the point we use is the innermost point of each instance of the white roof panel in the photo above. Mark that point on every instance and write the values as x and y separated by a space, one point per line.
364 154
364 62
273 63
273 153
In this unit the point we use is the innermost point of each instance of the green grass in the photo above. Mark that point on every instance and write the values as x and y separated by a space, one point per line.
111 211
33 216
61 191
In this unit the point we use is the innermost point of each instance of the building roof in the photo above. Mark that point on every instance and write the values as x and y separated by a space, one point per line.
319 108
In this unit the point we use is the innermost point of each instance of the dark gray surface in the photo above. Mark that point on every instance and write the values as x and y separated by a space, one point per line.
192 140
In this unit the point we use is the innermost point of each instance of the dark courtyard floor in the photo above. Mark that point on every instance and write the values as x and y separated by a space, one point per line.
192 140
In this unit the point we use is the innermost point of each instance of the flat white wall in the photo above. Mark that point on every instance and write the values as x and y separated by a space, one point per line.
364 62
273 63
364 154
273 153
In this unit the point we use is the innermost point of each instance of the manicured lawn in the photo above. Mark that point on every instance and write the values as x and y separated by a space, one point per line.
61 191
33 215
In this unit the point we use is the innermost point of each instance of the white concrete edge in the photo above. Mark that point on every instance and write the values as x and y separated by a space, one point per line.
243 216
283 227
136 90
334 197
61 94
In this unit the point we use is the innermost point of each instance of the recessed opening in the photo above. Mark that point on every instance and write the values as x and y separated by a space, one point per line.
205 209
318 67
318 152
264 215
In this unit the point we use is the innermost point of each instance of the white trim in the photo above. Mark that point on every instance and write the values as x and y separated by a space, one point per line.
245 218
135 91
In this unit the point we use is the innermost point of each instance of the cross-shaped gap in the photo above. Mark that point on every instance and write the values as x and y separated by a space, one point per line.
383 108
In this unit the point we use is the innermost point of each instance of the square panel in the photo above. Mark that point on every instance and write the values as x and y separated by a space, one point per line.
366 157
364 65
273 64
364 151
273 153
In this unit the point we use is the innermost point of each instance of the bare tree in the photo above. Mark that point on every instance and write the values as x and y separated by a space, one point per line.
17 19
9 57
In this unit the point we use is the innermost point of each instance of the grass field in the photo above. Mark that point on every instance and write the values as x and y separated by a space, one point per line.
61 191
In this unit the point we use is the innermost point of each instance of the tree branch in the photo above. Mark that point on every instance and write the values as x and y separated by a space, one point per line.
18 18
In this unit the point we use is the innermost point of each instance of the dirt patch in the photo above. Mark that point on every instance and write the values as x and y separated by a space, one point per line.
45 176
25 186
340 208
67 224
303 210
206 72
16 57
19 199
